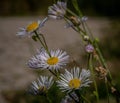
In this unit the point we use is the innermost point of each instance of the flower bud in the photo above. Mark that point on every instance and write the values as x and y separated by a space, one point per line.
89 48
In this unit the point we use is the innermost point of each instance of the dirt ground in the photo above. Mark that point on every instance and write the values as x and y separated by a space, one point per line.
14 52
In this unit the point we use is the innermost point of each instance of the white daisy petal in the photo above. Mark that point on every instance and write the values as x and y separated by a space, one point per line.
42 85
75 79
57 11
31 27
54 62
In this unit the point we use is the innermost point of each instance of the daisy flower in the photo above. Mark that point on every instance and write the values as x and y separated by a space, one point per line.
31 28
74 80
57 11
57 60
41 86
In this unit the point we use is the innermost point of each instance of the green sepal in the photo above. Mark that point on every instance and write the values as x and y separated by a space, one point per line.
34 38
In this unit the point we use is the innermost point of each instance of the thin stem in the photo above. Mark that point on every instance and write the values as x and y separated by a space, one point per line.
53 73
106 84
48 99
101 58
39 39
85 99
88 30
71 12
93 77
45 44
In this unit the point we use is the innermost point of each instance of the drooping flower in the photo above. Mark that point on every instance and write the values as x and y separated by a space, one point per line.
74 80
89 48
70 98
102 72
57 11
41 85
31 28
57 60
74 21
67 99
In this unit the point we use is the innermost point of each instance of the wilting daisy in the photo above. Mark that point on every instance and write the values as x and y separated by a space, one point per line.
74 80
57 11
70 98
67 99
31 28
57 60
41 86
74 21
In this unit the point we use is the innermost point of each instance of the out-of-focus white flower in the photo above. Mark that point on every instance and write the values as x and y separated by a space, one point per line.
74 80
84 18
57 11
41 86
31 28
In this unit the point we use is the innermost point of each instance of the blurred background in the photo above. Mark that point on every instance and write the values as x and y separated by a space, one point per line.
15 76
37 7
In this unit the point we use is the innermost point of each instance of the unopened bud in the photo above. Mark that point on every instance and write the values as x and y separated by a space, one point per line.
86 38
89 48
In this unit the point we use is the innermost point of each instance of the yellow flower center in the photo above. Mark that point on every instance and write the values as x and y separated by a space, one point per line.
58 12
32 26
74 83
42 89
52 60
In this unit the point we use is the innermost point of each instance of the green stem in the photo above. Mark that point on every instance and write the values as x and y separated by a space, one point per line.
85 99
48 99
93 77
101 58
39 39
106 84
43 43
69 11
53 73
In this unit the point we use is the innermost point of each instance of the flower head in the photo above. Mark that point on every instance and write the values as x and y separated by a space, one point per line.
74 80
41 86
102 72
89 48
57 60
57 11
31 27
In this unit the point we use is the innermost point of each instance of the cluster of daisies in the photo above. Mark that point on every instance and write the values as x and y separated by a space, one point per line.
55 60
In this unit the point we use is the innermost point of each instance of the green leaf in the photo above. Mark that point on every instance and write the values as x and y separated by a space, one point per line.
95 93
75 4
